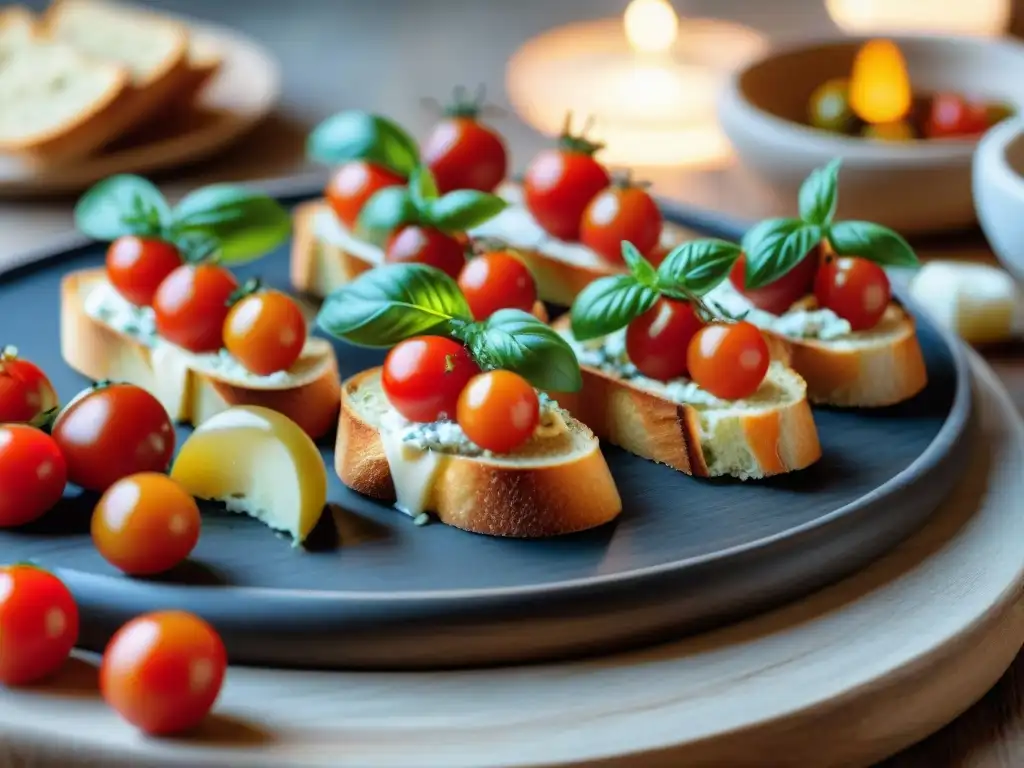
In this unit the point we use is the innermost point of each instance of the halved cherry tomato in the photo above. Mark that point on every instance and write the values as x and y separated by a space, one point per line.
426 245
353 184
779 296
112 431
424 376
192 304
33 474
265 331
728 360
145 524
952 116
656 341
38 624
856 289
463 153
137 265
162 672
621 212
25 391
498 411
497 280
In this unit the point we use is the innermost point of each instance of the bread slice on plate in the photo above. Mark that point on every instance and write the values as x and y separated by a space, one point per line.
105 338
17 28
555 484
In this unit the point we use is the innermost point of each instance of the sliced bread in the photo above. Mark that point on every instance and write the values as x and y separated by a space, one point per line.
17 28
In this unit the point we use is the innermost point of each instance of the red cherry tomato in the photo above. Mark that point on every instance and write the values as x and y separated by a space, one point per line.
192 304
353 184
728 360
38 624
426 245
656 341
423 377
265 332
111 432
137 265
856 289
162 672
621 213
560 183
779 296
498 411
145 524
952 116
33 474
497 280
462 153
25 391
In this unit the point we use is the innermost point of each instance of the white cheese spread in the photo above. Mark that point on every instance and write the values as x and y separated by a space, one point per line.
821 324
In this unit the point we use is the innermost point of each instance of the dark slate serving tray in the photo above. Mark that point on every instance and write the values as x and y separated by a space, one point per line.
374 590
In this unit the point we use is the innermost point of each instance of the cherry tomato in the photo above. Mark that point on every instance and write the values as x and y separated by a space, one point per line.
265 332
621 213
25 391
137 265
856 289
423 377
728 360
145 524
497 280
33 474
353 184
426 245
779 296
951 116
462 153
192 304
498 411
113 431
163 671
656 341
38 624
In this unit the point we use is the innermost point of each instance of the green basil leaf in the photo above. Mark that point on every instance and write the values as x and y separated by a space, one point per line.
422 187
384 212
608 304
389 304
775 246
463 209
639 267
698 266
245 224
819 194
357 135
873 242
122 205
517 341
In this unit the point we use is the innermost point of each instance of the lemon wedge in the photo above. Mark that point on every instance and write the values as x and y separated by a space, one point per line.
257 462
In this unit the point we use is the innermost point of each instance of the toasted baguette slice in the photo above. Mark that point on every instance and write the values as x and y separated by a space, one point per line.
17 28
192 387
555 484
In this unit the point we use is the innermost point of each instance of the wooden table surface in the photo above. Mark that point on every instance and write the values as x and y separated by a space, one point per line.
387 54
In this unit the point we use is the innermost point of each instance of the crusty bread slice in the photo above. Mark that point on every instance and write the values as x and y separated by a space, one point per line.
555 484
189 387
17 28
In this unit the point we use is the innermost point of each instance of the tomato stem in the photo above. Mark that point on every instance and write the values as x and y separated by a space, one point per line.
248 288
464 105
578 143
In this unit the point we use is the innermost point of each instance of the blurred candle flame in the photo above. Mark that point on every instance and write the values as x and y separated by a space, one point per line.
651 25
879 85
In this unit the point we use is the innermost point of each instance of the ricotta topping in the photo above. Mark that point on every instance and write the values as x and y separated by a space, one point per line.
821 324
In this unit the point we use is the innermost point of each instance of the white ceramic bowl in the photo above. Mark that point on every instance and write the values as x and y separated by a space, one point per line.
998 180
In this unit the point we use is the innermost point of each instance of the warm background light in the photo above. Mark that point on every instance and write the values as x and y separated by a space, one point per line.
955 17
651 25
879 84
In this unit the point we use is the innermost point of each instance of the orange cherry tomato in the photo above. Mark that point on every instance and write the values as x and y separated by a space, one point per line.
656 341
137 265
560 183
497 280
424 376
426 245
192 304
33 474
728 360
856 289
38 624
162 672
779 296
499 411
462 153
145 524
353 184
265 331
621 213
113 431
25 391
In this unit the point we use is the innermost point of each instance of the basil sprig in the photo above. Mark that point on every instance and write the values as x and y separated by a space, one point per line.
389 304
224 221
357 135
688 272
775 246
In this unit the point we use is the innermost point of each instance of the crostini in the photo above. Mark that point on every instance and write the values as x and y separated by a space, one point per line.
666 378
453 422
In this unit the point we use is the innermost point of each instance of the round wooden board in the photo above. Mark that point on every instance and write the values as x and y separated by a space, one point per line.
846 677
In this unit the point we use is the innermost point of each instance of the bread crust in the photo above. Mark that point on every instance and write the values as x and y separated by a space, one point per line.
480 496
